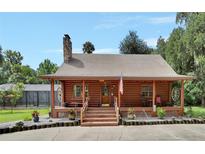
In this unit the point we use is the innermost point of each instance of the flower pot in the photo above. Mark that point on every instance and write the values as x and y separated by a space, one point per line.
130 116
49 114
71 117
35 119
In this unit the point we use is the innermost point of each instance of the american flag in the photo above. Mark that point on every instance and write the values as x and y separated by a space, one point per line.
121 85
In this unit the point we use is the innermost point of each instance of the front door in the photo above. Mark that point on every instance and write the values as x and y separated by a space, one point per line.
105 93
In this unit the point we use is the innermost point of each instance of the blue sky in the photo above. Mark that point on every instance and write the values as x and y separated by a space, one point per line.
39 35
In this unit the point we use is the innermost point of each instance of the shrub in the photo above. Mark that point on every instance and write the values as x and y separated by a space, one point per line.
131 113
72 114
189 112
169 103
161 112
19 124
35 114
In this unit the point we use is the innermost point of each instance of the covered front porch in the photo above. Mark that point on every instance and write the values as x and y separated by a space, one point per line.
141 95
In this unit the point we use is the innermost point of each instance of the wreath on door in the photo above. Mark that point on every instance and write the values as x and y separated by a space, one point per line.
175 94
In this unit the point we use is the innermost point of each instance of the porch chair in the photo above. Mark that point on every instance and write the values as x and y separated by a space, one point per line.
158 101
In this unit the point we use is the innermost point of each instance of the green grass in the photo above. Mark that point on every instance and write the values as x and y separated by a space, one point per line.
19 114
197 112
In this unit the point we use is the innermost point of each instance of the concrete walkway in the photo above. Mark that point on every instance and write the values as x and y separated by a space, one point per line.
126 133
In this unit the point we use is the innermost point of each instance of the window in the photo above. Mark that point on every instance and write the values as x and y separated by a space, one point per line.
146 91
77 88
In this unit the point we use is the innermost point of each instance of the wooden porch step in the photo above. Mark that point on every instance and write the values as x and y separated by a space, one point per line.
102 119
97 115
101 108
100 116
90 124
100 112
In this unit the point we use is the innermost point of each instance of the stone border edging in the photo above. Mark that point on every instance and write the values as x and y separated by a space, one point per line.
163 122
40 126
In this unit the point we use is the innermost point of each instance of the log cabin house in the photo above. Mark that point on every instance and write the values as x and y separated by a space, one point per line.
100 87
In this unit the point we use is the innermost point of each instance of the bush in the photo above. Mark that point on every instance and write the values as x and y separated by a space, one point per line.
161 112
19 124
169 103
131 113
72 114
35 114
191 93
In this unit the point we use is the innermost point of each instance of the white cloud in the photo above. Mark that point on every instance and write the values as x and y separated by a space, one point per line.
161 20
120 21
107 51
113 22
151 42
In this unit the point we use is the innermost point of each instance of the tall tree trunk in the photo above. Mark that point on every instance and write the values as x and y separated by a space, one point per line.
203 101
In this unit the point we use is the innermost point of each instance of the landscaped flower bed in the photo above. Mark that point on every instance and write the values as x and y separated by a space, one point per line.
162 121
39 126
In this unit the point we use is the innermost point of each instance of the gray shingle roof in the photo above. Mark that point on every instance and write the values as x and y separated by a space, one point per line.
112 65
30 87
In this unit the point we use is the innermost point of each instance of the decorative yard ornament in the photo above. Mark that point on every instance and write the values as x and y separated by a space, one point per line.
60 93
175 94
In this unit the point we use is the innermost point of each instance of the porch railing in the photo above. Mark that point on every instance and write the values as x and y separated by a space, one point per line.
116 109
83 110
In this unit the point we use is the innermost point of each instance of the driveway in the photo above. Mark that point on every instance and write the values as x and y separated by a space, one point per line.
126 133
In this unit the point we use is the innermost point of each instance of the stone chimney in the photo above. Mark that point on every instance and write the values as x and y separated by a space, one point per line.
67 48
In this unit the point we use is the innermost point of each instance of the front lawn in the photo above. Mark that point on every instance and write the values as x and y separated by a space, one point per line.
6 115
196 112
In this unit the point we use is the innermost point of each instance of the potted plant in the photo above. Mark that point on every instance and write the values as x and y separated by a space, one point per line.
72 114
35 116
131 113
161 112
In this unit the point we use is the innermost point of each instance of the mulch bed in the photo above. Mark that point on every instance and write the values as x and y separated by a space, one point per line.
39 126
128 122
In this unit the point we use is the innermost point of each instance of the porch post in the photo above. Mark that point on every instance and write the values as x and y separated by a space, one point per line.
52 98
153 95
62 87
83 97
170 89
182 96
119 95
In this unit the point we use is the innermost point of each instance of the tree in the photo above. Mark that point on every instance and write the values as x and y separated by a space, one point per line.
195 43
5 72
1 57
200 74
177 54
13 57
30 74
182 17
132 44
22 73
16 93
46 67
161 46
88 47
